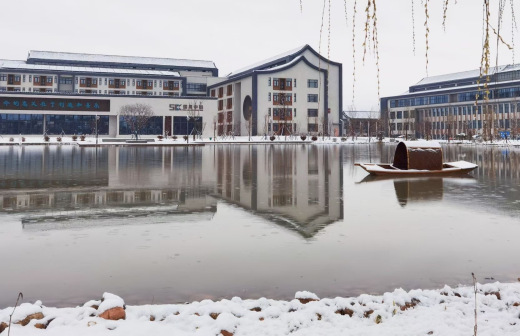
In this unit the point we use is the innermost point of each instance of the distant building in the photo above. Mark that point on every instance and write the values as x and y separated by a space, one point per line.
362 123
65 93
56 92
442 107
296 92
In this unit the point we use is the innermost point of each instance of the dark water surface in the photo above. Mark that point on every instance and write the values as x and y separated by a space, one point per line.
167 225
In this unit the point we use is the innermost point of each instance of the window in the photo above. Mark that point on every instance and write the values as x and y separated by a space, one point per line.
275 97
94 81
111 82
24 79
82 81
275 82
269 82
155 83
17 78
138 83
295 97
312 98
106 79
295 85
312 112
288 82
312 83
175 84
399 114
269 96
133 81
3 78
30 78
295 109
269 112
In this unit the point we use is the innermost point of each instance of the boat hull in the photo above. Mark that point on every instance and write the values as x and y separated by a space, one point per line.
449 169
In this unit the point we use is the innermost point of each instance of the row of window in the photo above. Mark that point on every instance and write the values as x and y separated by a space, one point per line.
458 111
287 82
288 97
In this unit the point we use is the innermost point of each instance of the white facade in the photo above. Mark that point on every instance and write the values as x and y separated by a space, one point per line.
298 92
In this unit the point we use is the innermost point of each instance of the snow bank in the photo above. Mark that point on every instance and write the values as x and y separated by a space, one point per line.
446 311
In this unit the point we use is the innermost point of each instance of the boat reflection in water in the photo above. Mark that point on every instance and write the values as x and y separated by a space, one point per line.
299 187
426 189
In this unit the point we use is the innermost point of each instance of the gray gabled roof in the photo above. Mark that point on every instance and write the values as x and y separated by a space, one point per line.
461 75
65 57
267 62
22 65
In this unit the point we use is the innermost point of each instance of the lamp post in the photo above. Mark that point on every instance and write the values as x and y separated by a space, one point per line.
97 119
187 134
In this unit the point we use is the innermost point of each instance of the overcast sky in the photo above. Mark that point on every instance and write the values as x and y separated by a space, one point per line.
236 33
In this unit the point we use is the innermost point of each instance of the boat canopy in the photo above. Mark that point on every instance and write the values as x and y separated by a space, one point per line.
418 155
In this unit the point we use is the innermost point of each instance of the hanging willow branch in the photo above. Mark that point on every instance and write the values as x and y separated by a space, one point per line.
427 16
354 11
413 27
444 13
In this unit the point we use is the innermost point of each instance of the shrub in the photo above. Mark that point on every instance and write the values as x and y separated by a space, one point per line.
303 137
11 139
314 138
272 137
160 137
46 138
58 139
174 137
82 137
185 137
343 139
74 137
23 139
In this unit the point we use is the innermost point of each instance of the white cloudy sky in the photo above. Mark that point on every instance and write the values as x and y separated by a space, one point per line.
235 33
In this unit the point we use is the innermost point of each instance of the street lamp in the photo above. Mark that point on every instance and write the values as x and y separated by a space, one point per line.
187 134
97 119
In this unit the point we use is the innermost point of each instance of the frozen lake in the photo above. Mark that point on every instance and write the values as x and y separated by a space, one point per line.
168 225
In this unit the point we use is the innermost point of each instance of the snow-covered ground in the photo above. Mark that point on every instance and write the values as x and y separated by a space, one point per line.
104 140
446 311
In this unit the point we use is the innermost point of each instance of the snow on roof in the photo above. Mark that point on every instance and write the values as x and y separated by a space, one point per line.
362 114
22 65
267 61
98 58
458 76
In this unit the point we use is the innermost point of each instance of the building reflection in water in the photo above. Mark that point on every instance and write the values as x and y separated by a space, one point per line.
299 187
296 186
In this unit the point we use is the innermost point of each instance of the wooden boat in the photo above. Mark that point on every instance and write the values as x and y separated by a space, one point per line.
418 158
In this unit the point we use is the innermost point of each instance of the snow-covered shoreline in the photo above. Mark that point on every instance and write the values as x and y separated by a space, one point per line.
90 140
446 311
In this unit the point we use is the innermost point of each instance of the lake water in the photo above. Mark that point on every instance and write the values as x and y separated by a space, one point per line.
167 225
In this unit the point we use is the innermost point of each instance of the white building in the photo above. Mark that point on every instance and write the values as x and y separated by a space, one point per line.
295 92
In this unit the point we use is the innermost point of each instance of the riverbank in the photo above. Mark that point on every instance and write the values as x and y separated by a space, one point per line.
90 141
446 311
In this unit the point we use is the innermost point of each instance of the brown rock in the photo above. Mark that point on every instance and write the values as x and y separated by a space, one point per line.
409 304
35 316
256 309
152 318
497 294
40 325
226 333
3 326
345 311
261 319
457 294
116 313
319 316
368 313
516 304
305 301
214 315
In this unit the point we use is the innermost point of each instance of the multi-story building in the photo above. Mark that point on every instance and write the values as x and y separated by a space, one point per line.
299 91
463 104
55 93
